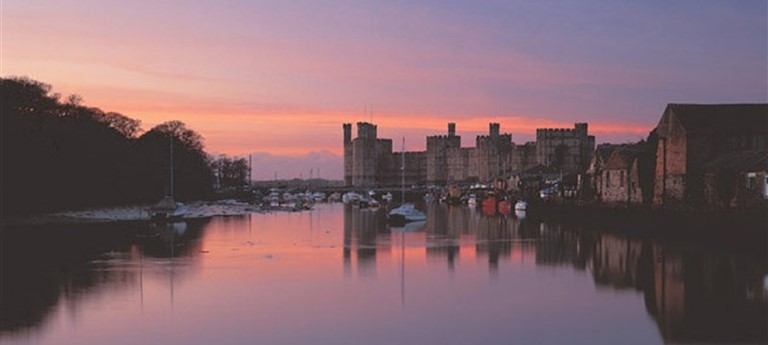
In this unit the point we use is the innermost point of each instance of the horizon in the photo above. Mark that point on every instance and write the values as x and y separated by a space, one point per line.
277 80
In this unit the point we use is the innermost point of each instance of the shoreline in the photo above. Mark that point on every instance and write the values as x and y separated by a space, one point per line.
733 227
133 213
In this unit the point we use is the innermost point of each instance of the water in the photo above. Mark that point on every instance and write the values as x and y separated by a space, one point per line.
339 275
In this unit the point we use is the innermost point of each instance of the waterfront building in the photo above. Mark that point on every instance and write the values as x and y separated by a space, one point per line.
620 177
692 135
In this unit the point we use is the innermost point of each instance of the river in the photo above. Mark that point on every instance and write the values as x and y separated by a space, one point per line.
340 275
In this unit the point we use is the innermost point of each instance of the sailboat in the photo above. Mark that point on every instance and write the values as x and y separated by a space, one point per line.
406 212
168 209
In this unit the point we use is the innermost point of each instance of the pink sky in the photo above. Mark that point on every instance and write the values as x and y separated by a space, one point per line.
279 78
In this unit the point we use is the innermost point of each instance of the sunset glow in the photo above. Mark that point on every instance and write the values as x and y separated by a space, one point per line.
279 79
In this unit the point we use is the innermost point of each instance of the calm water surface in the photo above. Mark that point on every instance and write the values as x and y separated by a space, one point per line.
339 275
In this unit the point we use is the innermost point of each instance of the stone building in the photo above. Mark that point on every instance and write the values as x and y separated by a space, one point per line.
594 185
737 179
690 135
370 162
365 155
621 178
567 149
493 153
445 162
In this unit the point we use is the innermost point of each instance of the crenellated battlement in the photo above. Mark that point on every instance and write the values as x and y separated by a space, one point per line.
370 161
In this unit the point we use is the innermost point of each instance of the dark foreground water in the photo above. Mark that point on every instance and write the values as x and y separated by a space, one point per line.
339 275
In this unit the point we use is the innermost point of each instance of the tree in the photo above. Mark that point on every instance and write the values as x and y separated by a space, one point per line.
230 172
127 126
193 177
58 155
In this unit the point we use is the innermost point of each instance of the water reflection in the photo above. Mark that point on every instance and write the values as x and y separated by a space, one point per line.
693 293
493 275
45 269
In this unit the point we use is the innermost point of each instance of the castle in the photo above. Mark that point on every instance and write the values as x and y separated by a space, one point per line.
370 162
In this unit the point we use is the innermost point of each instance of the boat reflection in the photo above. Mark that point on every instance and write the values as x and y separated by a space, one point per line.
694 293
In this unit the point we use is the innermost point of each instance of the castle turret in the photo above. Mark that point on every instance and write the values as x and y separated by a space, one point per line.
366 131
494 130
348 159
451 129
347 133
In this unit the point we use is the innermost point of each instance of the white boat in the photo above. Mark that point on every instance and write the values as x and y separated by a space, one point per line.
168 209
318 196
334 197
472 201
350 197
521 205
406 212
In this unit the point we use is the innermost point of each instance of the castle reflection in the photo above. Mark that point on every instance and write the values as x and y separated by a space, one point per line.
694 293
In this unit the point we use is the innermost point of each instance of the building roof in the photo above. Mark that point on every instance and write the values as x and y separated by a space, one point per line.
621 158
747 118
739 161
604 151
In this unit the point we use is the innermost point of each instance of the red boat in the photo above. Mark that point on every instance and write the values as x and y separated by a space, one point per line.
505 206
490 204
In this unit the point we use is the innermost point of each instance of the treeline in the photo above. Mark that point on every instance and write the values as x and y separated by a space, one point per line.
61 154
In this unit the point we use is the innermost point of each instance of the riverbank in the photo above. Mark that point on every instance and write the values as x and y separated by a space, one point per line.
726 227
200 209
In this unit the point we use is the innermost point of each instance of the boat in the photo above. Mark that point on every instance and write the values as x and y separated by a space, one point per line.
334 197
318 196
350 197
387 197
521 205
505 206
472 201
168 209
406 212
490 204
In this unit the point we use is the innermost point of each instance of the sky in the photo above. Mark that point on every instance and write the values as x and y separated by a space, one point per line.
278 78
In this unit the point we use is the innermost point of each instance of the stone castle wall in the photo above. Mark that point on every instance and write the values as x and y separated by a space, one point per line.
370 161
570 150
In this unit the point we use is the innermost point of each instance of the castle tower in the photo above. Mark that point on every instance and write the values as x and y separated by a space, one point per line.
451 129
364 156
348 162
493 130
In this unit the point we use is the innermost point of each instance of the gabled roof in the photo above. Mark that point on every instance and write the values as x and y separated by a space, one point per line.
739 161
621 158
604 151
746 118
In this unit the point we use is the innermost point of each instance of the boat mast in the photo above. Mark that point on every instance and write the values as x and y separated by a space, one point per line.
170 166
402 176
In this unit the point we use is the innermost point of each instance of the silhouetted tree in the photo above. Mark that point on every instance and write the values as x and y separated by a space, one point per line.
192 172
65 155
231 172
